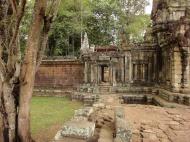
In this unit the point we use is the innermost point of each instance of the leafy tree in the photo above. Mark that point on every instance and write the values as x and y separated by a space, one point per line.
105 21
102 24
17 71
65 37
138 27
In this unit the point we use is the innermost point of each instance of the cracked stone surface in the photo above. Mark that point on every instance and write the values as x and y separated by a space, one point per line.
157 124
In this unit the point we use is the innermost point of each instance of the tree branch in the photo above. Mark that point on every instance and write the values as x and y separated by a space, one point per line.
13 63
19 16
13 5
43 41
2 70
48 19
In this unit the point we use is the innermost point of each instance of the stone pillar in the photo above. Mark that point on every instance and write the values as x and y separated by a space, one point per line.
176 70
99 75
155 68
114 75
133 72
96 74
143 72
131 69
110 74
186 81
126 70
146 72
149 72
92 74
122 70
136 71
86 72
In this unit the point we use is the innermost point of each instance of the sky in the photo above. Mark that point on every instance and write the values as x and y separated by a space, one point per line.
149 7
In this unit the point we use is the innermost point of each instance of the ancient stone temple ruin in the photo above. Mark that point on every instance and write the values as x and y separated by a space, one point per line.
171 30
154 73
160 65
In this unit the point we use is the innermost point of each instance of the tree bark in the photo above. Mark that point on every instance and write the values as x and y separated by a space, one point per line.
16 76
9 112
28 72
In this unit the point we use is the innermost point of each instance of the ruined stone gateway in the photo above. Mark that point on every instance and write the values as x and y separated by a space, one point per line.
156 71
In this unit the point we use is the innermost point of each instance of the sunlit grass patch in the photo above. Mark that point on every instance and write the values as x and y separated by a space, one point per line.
48 111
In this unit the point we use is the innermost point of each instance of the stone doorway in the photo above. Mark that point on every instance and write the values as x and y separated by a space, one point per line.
105 74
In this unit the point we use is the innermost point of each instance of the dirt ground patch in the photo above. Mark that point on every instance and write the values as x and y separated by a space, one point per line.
46 135
158 124
104 120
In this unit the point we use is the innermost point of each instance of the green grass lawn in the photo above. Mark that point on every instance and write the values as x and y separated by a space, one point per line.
48 111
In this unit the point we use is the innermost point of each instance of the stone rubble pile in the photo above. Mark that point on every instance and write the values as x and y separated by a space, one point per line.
79 127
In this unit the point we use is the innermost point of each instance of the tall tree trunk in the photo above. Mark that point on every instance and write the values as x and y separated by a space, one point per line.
28 72
16 80
8 112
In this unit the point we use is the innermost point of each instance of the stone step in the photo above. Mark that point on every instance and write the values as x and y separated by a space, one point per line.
175 97
104 89
162 102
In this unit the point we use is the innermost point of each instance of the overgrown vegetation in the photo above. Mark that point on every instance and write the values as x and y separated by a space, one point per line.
105 21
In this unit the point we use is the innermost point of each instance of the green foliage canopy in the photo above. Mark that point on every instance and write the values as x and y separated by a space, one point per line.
103 20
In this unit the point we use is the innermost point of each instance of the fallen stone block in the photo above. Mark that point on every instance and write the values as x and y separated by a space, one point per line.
80 118
119 112
78 129
123 130
99 105
84 112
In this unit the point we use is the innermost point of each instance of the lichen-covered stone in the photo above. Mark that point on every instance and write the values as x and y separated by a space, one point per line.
78 129
84 112
123 128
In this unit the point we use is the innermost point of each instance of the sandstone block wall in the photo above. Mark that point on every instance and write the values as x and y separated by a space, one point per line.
171 30
59 73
